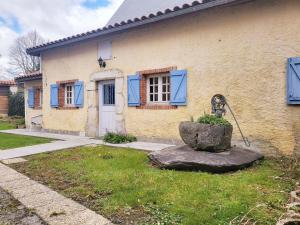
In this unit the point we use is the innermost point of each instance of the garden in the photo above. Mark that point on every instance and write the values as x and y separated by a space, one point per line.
130 187
122 185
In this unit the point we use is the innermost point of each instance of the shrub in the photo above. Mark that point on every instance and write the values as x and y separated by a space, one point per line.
16 105
20 121
213 120
115 138
106 156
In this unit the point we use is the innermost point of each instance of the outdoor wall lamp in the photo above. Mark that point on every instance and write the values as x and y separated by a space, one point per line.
102 63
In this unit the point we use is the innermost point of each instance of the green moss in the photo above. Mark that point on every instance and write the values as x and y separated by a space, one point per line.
213 120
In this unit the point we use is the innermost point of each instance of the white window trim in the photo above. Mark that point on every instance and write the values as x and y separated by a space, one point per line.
66 90
160 93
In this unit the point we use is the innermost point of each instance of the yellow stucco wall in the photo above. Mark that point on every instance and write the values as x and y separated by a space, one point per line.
239 51
73 62
29 112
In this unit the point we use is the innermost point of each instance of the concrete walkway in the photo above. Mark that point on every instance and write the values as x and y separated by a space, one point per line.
52 207
67 141
26 132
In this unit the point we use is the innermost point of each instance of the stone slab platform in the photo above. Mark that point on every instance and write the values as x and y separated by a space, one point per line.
186 158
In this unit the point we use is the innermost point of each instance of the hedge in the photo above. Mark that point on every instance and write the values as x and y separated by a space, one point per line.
16 105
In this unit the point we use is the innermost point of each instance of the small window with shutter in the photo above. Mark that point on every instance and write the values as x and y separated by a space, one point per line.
293 81
30 97
178 87
105 50
158 89
67 94
54 88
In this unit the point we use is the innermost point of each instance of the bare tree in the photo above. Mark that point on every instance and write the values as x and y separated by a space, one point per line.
21 62
4 75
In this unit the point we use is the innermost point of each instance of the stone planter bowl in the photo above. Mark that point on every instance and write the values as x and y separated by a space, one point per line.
206 137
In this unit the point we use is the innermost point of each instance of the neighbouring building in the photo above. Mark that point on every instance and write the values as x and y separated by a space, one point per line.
32 86
149 69
6 86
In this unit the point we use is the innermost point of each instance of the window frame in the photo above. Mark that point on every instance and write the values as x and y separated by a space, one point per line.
38 98
160 89
41 98
112 90
72 104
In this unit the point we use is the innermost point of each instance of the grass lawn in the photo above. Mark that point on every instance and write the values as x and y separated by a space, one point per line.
8 141
121 185
7 123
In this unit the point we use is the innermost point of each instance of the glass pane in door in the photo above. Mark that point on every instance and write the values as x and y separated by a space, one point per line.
109 94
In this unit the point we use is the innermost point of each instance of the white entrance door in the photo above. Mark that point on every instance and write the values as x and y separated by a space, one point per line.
107 108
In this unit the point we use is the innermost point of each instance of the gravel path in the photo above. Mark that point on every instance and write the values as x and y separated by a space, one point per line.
13 212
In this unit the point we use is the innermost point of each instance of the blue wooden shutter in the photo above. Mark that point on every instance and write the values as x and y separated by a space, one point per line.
78 94
178 87
133 90
30 99
54 95
293 81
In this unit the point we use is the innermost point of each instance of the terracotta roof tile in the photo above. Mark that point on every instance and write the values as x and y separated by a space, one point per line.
7 83
29 76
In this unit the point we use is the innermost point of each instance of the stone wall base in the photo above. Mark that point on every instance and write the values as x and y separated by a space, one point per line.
161 140
76 133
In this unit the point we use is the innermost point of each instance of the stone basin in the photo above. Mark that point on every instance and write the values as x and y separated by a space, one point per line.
295 196
186 158
206 137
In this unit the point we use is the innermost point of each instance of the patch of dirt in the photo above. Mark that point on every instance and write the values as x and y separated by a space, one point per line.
130 216
13 212
85 194
291 166
91 198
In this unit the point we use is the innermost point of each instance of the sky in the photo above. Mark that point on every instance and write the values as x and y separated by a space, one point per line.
52 19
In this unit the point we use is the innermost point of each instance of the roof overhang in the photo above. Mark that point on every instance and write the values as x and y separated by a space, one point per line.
29 77
7 83
137 22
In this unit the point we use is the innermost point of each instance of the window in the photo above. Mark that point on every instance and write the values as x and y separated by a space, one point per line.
158 89
41 98
109 94
69 95
105 50
293 81
35 96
